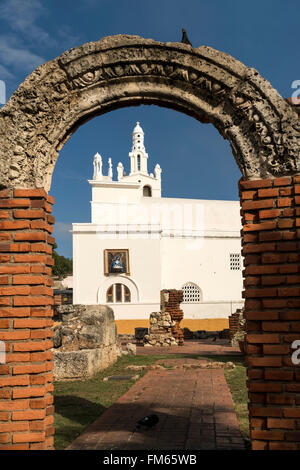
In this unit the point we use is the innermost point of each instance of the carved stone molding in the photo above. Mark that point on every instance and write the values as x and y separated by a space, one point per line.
262 128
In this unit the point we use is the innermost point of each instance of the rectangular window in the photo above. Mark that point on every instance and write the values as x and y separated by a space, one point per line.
118 292
235 261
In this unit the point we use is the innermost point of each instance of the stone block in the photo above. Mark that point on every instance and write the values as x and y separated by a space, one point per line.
83 364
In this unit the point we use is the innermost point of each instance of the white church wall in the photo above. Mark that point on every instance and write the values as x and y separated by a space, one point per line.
210 310
171 242
88 268
205 263
173 214
144 180
114 192
132 311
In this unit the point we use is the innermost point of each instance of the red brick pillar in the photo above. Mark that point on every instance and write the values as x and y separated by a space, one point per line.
270 238
26 401
172 306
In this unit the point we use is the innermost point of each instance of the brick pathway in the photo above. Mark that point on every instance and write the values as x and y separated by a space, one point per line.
195 412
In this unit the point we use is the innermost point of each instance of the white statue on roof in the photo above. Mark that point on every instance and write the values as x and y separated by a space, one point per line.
97 167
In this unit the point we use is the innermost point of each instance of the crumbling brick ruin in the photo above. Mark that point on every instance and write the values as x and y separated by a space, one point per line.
165 327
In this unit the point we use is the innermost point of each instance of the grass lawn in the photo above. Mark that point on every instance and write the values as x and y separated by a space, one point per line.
79 403
236 380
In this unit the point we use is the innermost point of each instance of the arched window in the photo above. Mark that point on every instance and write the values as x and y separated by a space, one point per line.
147 192
139 162
191 293
118 293
109 294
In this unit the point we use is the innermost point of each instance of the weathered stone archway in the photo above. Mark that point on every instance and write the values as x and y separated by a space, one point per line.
264 134
263 130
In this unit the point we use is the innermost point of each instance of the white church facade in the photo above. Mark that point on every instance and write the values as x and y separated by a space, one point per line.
139 243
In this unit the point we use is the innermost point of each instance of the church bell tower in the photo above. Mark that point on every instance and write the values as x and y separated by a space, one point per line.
138 183
138 155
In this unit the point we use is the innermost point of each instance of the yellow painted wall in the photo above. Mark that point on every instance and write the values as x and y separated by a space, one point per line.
126 327
208 324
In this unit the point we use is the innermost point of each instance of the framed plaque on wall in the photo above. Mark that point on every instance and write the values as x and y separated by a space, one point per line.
116 261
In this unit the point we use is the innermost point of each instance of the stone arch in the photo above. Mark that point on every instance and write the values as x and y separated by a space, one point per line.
115 280
263 130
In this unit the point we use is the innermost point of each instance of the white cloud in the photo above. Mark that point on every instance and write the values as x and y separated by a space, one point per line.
62 230
22 15
17 57
15 51
5 74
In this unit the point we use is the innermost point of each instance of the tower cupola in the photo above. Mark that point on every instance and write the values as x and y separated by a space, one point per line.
139 181
138 138
138 155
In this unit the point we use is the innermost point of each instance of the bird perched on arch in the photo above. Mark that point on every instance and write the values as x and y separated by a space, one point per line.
185 39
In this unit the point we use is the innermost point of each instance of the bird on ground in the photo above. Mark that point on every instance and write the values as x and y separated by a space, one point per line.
185 39
148 421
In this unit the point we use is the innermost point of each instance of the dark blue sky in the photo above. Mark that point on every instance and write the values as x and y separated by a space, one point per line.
196 161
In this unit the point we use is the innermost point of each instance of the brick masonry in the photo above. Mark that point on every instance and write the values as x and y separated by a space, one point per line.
26 298
271 241
170 300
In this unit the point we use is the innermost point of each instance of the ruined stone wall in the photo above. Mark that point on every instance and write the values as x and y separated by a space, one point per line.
165 327
160 331
85 341
170 302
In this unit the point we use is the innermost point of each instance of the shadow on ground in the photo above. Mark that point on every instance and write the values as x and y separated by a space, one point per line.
77 409
177 429
195 412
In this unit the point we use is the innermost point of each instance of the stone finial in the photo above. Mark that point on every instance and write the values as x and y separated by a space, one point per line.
120 171
157 171
97 167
